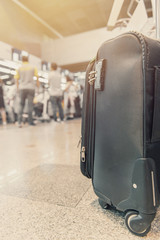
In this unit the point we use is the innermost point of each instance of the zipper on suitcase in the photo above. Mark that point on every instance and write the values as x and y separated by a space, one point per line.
86 144
83 152
86 149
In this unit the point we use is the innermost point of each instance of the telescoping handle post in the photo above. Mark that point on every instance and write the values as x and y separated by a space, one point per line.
157 16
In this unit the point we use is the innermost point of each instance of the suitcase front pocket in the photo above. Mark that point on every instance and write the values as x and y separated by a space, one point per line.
94 82
86 129
156 113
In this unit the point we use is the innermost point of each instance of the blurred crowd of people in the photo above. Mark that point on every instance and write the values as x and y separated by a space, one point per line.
29 101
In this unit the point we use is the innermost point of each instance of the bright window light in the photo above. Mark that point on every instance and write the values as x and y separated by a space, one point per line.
24 53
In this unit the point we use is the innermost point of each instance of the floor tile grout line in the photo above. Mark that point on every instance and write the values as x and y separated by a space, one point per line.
82 196
40 202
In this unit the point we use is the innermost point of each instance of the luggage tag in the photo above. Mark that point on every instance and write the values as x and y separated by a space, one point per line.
97 77
100 74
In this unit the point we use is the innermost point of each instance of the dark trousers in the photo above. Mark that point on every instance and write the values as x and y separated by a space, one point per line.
57 103
29 95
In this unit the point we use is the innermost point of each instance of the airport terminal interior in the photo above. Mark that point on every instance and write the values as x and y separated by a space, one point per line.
43 194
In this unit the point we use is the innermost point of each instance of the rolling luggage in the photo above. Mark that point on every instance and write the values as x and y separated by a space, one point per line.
120 147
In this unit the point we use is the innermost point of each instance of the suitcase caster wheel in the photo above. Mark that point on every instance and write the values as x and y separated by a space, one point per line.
103 204
136 224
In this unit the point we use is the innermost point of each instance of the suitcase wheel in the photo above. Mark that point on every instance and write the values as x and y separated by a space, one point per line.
103 204
136 224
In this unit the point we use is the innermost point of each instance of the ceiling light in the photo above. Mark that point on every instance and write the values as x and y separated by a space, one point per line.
9 64
5 70
13 72
37 18
43 80
4 77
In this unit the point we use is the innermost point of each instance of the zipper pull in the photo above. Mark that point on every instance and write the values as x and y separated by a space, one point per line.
92 77
83 155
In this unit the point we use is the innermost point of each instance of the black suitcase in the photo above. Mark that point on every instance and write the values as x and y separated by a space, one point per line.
120 148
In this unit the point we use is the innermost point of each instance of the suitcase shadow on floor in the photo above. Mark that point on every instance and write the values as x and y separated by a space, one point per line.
113 214
110 212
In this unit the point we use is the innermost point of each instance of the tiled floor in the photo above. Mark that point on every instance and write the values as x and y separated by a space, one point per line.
43 195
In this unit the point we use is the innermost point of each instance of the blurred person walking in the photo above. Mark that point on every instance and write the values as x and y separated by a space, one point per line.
2 105
56 93
70 93
26 88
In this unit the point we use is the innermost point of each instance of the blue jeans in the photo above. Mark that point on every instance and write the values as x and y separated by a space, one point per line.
29 95
57 103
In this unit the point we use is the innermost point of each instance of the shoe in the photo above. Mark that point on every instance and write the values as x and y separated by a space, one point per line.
70 118
32 124
19 125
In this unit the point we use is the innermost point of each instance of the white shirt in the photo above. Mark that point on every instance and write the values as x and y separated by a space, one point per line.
54 79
